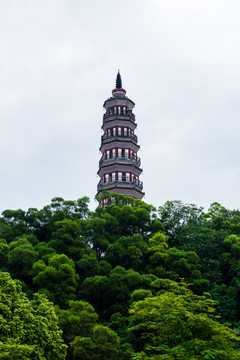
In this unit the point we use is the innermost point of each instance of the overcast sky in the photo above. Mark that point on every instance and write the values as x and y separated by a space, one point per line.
179 62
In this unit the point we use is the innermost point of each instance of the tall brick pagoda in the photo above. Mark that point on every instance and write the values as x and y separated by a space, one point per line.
119 166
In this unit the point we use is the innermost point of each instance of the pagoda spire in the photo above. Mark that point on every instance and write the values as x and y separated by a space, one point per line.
118 81
118 91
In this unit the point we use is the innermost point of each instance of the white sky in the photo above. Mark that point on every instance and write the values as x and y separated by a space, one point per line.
179 62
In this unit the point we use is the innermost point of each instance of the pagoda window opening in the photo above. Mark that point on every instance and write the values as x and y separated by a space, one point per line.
125 131
111 154
114 131
114 153
127 177
113 176
119 176
123 176
119 131
123 153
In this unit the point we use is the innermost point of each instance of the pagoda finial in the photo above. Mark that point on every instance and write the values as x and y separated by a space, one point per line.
118 81
119 91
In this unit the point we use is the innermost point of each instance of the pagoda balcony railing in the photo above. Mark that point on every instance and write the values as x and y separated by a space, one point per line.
127 113
132 158
132 136
102 186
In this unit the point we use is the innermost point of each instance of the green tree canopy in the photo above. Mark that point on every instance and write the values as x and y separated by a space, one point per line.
21 258
57 279
28 329
182 327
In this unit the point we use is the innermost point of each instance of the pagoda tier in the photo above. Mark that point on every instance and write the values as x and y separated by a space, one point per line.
119 166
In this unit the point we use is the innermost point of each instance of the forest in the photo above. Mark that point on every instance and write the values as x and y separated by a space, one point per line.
127 281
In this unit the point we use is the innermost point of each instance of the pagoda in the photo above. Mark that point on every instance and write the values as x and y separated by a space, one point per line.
119 166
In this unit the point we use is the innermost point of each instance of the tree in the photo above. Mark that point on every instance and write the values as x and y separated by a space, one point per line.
96 235
183 327
58 279
78 320
44 251
227 303
140 294
29 329
13 224
173 263
127 252
68 239
184 263
21 258
87 339
176 215
112 294
4 249
190 229
157 250
102 345
42 222
132 215
88 265
230 261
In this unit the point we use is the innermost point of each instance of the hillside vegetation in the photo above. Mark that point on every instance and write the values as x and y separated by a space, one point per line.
127 281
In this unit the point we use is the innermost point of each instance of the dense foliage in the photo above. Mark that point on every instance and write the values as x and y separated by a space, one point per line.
126 281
